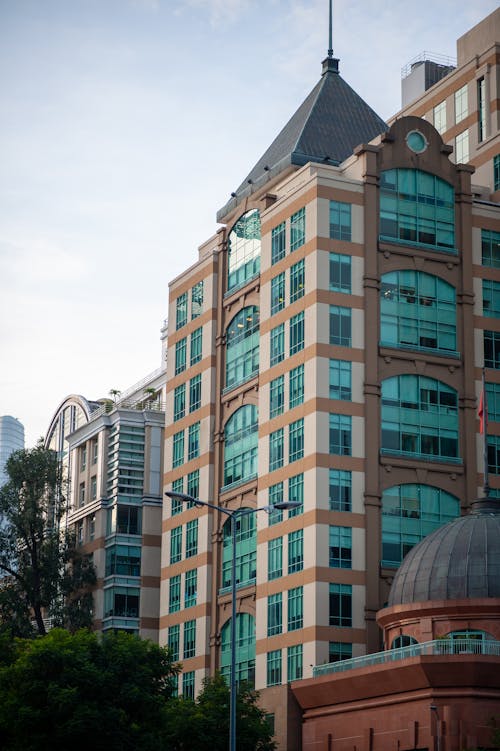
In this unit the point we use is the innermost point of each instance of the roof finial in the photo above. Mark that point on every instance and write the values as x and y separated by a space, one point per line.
330 44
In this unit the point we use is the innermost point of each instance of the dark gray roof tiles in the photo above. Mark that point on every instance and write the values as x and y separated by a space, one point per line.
327 127
459 560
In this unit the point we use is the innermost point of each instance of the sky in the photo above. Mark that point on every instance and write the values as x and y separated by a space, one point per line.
124 126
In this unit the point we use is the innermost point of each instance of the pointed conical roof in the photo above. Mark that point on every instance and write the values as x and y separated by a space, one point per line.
327 127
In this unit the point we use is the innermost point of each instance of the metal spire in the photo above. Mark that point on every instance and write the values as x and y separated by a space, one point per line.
330 44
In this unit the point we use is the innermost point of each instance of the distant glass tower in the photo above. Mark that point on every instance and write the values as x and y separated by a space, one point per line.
11 439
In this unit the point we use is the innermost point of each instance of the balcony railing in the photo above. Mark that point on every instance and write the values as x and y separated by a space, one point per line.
437 647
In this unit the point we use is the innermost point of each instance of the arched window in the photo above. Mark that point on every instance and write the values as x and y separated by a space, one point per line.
244 249
417 311
246 549
240 448
417 208
242 346
409 513
419 417
403 641
465 641
245 648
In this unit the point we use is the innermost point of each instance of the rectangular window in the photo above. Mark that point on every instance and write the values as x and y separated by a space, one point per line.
178 449
296 551
189 639
492 349
181 311
173 641
496 172
297 280
81 494
188 685
296 386
490 246
195 351
340 547
340 273
83 458
193 484
278 243
295 608
462 147
296 493
179 401
193 441
294 663
481 109
340 325
340 379
275 558
190 588
296 440
340 484
338 650
461 104
440 117
340 435
340 605
93 488
493 401
180 356
275 496
176 545
340 220
176 504
274 668
196 300
491 298
277 396
274 614
79 532
276 449
297 229
174 594
91 527
191 538
277 344
297 333
95 449
195 393
278 293
128 520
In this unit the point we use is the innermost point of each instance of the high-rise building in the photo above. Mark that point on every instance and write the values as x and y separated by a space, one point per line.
11 439
112 457
327 348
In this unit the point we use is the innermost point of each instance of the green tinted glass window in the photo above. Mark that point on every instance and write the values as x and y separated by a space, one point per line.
417 311
417 208
242 346
244 249
240 446
409 513
419 417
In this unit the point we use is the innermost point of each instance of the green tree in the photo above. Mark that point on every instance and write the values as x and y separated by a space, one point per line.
71 691
203 724
43 572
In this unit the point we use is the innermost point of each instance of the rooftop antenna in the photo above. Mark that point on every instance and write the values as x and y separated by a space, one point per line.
330 47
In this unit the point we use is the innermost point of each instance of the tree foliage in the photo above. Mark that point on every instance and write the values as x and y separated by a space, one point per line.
43 572
203 724
71 691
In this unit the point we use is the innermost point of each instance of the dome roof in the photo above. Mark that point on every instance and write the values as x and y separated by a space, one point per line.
459 560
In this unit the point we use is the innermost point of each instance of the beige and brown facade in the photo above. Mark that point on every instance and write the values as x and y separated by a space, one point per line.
327 347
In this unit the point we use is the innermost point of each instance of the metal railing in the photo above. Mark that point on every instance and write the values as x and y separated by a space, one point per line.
437 647
137 404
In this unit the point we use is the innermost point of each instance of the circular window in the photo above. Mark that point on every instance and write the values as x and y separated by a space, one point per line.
416 141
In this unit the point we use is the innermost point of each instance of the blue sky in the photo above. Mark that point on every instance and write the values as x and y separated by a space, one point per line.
124 126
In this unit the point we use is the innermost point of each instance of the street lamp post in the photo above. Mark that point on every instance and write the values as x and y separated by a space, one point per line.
233 516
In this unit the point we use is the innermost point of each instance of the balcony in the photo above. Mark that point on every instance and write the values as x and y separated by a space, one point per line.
438 647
